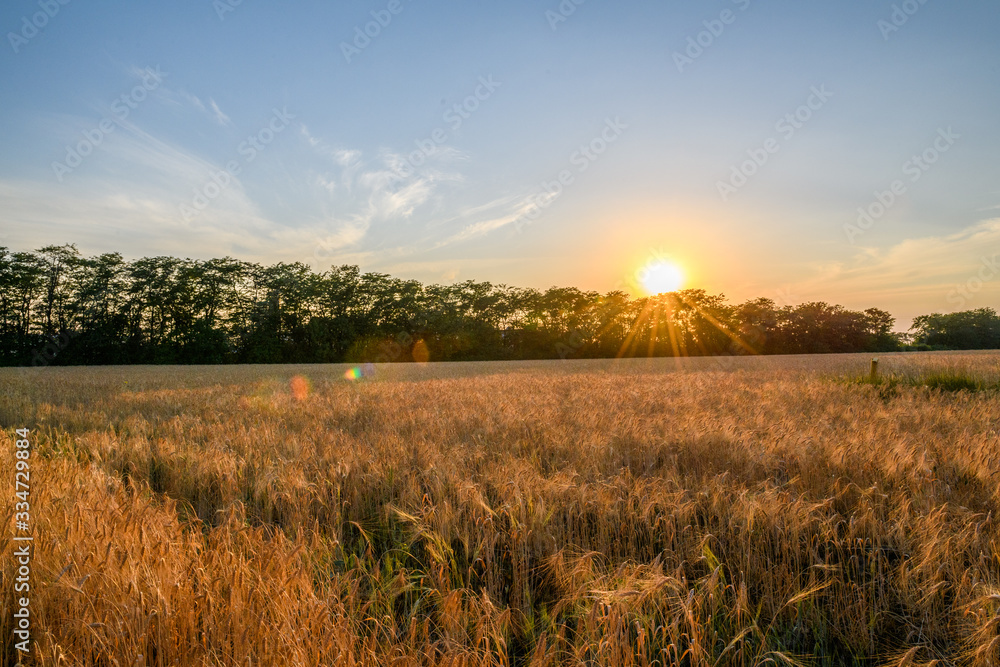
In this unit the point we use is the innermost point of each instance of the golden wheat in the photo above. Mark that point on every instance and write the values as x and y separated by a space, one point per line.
644 512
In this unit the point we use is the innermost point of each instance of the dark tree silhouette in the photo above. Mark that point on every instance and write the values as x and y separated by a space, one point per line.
58 307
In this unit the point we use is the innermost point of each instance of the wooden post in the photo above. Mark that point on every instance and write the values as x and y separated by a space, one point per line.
874 372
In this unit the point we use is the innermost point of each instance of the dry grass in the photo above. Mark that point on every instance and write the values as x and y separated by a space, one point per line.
747 511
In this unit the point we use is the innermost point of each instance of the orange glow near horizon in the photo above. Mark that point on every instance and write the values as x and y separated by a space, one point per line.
659 276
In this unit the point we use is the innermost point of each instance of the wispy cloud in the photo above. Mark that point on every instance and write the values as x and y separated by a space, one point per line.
181 97
513 209
371 190
480 228
222 118
916 273
126 197
135 222
341 204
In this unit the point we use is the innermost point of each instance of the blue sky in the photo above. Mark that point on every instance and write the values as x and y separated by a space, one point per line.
334 178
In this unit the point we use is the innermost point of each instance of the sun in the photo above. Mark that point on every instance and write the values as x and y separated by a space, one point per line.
659 276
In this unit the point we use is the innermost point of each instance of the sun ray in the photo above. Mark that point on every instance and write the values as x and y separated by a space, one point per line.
718 325
660 276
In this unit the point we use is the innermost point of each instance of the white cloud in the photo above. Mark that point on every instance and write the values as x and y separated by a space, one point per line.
916 275
222 118
126 196
345 207
346 158
371 191
192 100
515 209
181 97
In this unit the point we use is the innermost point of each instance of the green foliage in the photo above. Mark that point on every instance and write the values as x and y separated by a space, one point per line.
951 380
60 308
945 379
967 330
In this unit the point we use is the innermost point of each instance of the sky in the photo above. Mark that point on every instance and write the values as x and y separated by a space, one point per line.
794 150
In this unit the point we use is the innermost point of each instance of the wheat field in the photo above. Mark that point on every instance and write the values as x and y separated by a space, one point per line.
733 511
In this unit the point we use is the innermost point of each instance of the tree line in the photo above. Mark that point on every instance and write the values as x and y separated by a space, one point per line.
59 307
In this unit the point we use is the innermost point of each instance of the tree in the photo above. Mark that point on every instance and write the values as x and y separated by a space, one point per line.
171 310
967 330
57 261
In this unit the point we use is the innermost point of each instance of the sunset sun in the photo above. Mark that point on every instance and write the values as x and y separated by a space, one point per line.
659 276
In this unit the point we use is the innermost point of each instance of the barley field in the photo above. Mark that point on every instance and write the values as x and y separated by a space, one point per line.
733 511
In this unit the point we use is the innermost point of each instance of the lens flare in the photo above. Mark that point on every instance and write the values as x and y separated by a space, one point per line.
660 276
300 388
358 372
